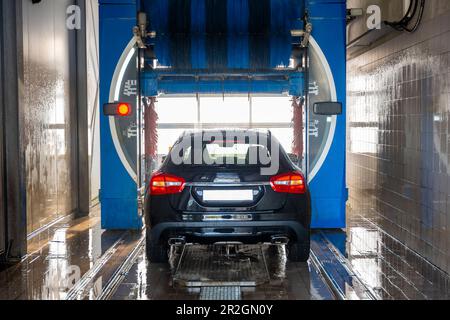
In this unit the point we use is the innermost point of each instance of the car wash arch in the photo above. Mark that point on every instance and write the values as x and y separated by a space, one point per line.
156 50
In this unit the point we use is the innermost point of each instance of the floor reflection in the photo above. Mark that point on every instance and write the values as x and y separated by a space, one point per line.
378 264
288 281
52 269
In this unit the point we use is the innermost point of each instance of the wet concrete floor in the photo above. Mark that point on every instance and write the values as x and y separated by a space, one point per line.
58 261
79 260
285 281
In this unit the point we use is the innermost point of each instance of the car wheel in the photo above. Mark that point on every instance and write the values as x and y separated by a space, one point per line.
298 252
156 252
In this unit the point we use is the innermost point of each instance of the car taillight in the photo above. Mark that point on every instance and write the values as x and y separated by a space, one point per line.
292 182
162 183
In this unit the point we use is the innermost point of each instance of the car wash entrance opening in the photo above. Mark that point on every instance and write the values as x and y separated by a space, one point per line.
286 55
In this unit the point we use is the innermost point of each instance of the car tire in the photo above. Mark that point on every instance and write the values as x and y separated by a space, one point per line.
298 252
156 252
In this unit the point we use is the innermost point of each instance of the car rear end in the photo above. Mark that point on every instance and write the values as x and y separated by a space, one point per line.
240 190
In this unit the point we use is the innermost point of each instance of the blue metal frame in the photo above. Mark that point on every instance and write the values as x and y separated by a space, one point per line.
118 194
328 188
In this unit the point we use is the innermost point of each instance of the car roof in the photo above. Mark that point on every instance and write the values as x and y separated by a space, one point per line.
198 132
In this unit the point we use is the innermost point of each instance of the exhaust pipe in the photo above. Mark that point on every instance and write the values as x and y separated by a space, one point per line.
178 241
279 240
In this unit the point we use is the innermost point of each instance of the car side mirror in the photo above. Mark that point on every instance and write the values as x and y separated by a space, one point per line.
327 108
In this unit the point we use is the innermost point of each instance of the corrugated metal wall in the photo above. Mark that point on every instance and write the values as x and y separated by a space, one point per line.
49 89
399 136
92 34
45 73
2 177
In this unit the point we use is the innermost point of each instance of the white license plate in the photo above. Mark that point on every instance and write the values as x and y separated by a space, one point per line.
228 195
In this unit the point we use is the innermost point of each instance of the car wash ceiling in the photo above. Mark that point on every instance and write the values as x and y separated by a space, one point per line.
216 46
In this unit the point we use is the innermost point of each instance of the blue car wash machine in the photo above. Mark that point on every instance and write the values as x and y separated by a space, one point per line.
150 48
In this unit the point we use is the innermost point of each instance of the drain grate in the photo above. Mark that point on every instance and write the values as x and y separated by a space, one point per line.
220 293
221 266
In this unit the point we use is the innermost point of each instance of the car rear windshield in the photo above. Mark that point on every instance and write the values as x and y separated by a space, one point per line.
222 152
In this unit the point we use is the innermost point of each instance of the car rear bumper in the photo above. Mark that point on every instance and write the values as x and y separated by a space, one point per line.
292 229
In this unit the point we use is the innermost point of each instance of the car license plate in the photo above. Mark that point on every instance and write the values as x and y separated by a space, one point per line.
228 195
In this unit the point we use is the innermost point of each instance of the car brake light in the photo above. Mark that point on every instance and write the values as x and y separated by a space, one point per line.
162 184
292 182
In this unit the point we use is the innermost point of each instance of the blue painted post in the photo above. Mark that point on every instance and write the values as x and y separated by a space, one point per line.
328 188
118 193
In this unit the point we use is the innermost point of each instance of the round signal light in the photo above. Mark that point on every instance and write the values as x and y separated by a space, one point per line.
124 109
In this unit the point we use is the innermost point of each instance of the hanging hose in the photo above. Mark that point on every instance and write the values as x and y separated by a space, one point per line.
402 25
419 19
